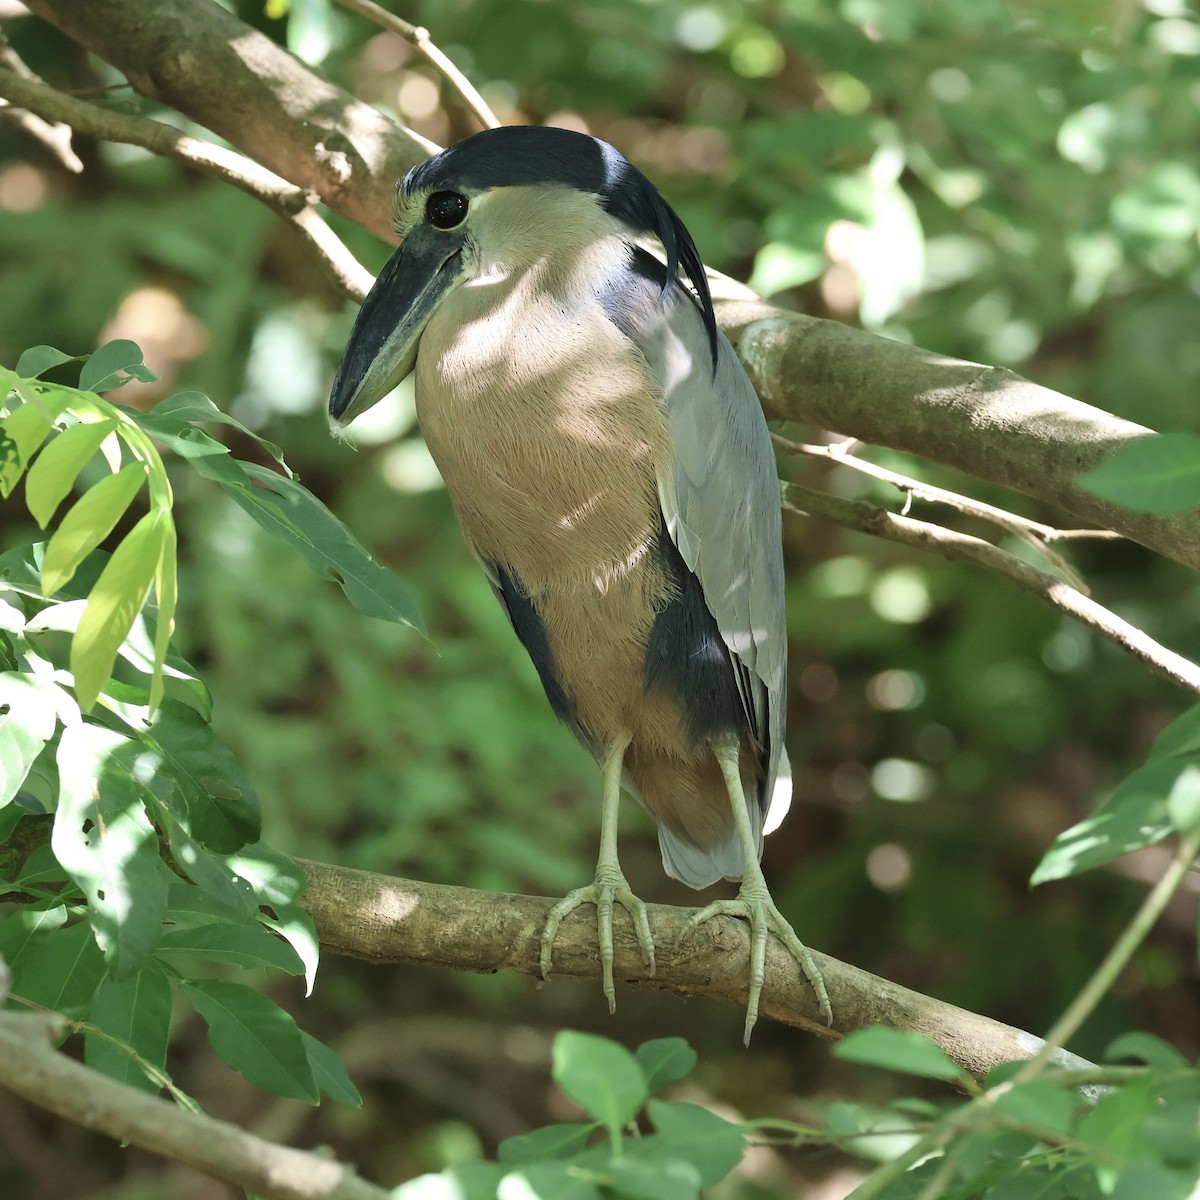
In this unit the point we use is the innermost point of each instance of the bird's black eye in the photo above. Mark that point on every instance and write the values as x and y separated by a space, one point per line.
444 210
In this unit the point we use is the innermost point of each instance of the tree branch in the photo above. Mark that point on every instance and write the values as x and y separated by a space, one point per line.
989 422
386 920
962 547
418 36
289 201
56 137
33 1069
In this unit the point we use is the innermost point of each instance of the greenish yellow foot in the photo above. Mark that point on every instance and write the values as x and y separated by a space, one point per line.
610 887
754 905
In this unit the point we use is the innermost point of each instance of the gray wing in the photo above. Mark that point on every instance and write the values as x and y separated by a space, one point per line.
721 501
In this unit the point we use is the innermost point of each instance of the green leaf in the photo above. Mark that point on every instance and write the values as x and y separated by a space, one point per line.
221 806
1144 1180
547 1181
1182 736
551 1141
1149 1049
137 1013
604 1079
665 1060
113 366
329 1072
711 1144
61 972
188 904
39 359
1183 800
1040 1106
29 706
23 431
673 1179
1158 474
255 1037
116 599
276 882
55 469
248 946
90 520
1174 1131
289 511
105 842
25 928
1133 817
177 416
897 1050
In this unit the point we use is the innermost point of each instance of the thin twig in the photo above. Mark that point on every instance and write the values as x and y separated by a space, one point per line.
33 1069
54 135
292 203
1035 533
418 36
869 518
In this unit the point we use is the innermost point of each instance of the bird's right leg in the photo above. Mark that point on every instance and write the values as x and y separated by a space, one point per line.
610 886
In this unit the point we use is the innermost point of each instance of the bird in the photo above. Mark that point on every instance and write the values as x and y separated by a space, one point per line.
610 467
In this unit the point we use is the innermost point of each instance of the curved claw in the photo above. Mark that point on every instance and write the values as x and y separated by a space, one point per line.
756 906
603 893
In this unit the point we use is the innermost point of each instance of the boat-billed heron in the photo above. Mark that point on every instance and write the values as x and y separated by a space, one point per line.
611 469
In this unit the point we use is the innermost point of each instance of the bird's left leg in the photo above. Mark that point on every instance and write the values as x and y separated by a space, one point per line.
753 902
610 885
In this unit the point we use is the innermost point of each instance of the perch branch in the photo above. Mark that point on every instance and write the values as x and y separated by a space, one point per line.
986 421
291 202
388 920
418 36
962 547
34 1070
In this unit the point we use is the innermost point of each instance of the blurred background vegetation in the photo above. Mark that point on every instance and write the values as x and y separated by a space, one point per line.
1016 183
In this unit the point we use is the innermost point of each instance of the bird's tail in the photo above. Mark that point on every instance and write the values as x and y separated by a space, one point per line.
701 866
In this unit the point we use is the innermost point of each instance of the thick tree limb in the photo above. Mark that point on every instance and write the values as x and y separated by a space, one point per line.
386 920
196 56
33 1069
983 420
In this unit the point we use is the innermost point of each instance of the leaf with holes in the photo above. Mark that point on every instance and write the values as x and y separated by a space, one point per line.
177 417
105 842
29 707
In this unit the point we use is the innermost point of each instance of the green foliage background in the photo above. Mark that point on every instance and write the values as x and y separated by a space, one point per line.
1017 184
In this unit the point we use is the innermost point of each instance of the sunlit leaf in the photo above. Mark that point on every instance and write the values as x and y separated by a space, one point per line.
117 598
90 520
29 706
106 843
55 469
